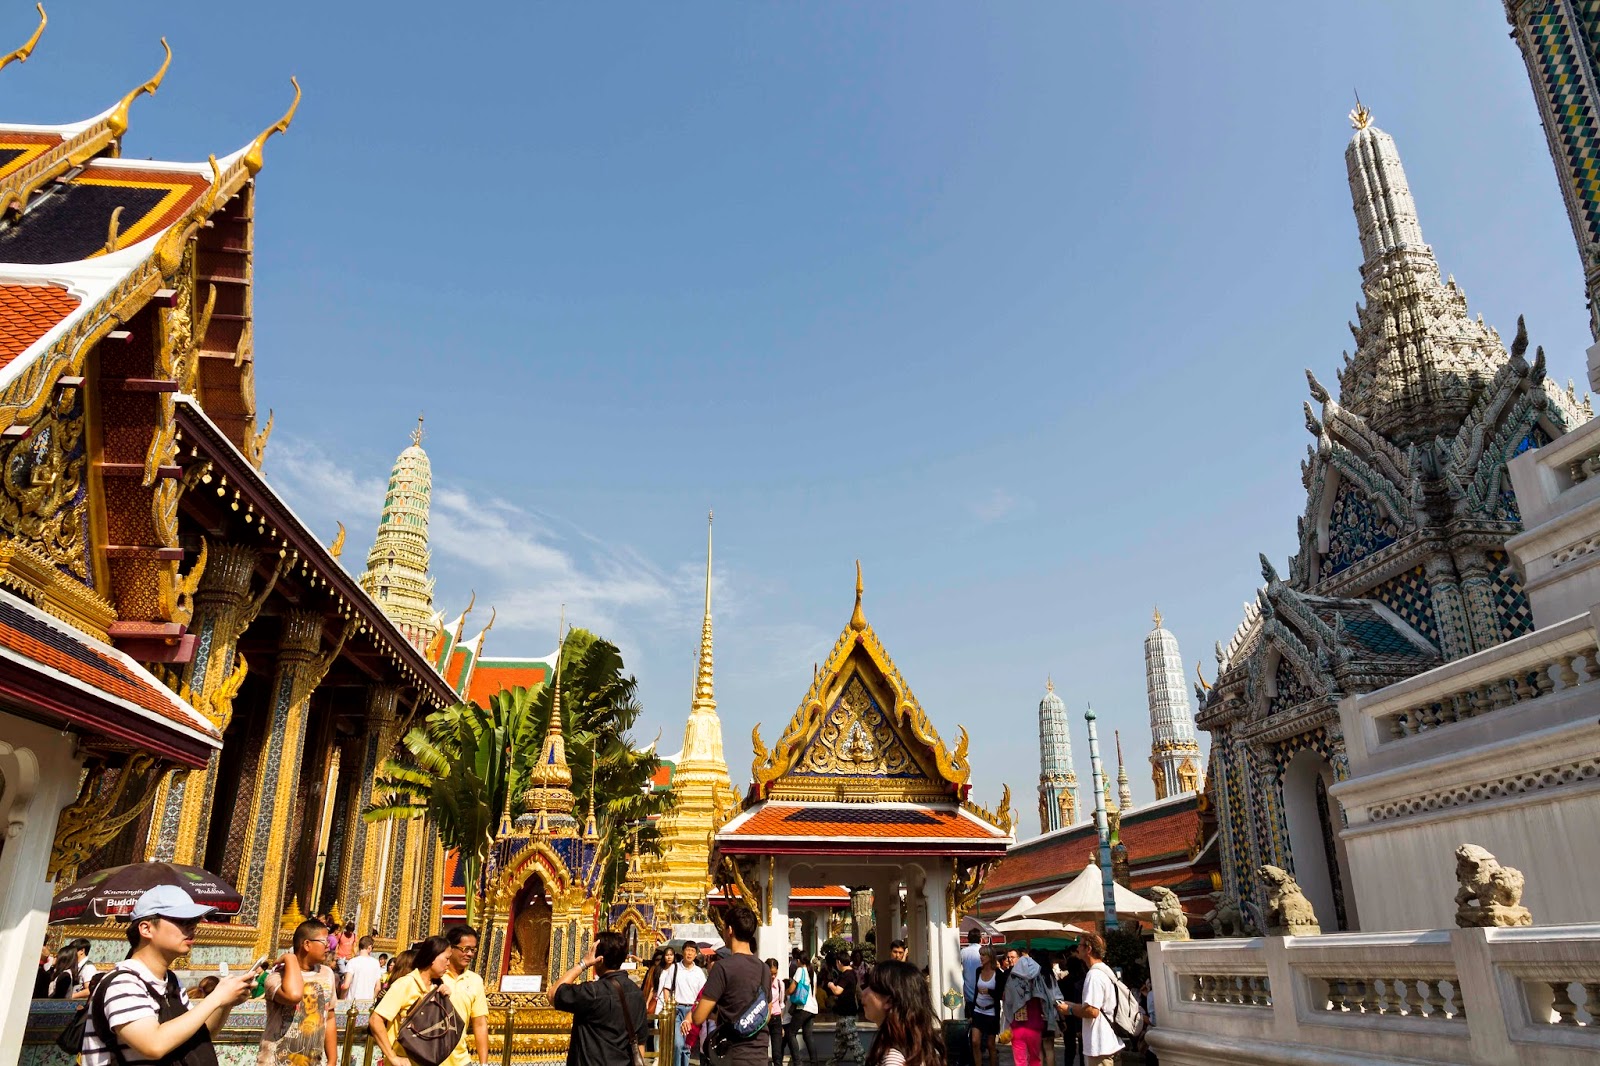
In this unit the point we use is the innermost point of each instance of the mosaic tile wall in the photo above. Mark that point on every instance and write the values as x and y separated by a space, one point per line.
1511 603
1558 68
1410 595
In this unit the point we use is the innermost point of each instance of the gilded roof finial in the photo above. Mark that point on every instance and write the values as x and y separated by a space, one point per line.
505 811
1202 677
252 155
1360 118
1049 683
416 434
21 54
1158 617
858 621
119 114
493 614
336 549
461 623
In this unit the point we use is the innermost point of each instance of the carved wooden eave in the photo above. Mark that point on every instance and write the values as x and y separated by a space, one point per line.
320 577
859 653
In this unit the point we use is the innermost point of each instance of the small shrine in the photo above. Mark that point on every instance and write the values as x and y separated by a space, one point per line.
541 904
633 911
861 791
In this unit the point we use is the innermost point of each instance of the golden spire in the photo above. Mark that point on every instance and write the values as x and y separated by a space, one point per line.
591 831
858 620
1158 617
416 434
119 114
1124 790
704 690
550 781
1049 683
505 810
21 54
253 160
1360 118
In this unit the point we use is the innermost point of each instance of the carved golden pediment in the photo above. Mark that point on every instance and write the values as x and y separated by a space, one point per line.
860 721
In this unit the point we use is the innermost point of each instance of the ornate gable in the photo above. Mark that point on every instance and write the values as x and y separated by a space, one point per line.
859 734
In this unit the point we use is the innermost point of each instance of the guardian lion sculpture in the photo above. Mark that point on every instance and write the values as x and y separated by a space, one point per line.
1170 922
1489 895
1289 913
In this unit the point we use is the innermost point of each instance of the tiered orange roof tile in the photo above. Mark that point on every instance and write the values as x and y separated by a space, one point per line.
28 312
859 821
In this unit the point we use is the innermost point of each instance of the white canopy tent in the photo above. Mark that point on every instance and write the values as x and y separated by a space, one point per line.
1016 910
1084 898
1026 927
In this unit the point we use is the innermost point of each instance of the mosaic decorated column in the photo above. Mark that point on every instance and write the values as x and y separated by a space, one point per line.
364 840
277 779
221 615
1477 588
1449 606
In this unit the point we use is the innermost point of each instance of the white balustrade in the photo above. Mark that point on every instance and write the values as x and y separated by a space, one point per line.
1467 997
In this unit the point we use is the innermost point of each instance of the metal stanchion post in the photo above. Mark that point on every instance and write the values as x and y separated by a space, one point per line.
366 1048
349 1035
510 1036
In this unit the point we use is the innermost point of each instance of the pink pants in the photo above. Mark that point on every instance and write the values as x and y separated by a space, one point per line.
1026 1046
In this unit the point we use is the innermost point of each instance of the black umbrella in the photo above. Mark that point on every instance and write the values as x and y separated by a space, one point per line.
107 894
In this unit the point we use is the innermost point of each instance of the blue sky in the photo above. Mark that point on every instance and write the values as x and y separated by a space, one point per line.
1012 302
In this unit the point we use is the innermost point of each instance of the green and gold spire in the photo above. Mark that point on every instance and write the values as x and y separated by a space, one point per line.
397 566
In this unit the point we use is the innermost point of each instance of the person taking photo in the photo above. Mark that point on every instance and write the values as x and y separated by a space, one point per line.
608 1013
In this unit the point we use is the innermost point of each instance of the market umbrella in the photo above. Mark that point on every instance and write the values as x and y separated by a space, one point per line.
107 894
1084 898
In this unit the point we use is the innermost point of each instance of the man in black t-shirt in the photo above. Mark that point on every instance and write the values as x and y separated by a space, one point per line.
738 989
608 1013
843 984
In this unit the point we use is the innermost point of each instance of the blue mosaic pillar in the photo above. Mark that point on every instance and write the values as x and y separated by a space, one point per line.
1477 588
263 858
183 805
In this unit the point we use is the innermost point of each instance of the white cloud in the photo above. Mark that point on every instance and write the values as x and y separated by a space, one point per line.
996 506
525 564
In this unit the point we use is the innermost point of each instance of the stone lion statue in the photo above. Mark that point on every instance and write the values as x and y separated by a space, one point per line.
1489 895
1289 913
1226 918
1170 922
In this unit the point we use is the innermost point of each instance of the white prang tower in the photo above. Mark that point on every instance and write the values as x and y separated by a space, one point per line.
1174 751
1058 784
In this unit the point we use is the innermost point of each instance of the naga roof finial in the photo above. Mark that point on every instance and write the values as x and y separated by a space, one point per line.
21 54
858 621
252 155
1360 118
119 114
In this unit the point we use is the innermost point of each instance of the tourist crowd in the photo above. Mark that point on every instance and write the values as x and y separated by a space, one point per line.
429 1008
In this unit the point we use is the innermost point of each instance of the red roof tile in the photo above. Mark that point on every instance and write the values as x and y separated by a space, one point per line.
860 820
1162 836
46 642
490 677
27 312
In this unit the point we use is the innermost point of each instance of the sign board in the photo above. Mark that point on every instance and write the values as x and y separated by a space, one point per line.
522 982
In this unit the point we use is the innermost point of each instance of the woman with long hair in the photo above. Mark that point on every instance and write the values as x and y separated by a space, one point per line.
802 992
895 996
985 1009
70 977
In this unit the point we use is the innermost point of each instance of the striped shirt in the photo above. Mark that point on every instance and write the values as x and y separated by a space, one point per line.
128 998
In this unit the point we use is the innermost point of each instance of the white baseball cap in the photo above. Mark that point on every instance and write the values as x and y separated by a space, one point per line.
167 901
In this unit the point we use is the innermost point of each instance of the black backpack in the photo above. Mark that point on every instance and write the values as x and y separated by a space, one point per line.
70 1039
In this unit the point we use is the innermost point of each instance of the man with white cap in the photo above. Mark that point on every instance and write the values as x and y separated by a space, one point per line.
140 1004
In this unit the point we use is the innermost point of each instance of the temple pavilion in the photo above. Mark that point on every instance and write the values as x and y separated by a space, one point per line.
861 791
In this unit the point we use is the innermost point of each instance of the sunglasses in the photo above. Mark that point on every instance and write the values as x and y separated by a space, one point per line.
188 925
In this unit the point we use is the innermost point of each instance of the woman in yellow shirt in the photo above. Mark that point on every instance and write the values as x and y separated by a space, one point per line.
432 966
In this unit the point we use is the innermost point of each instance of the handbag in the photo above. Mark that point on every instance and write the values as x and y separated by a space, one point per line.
635 1052
432 1030
802 990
